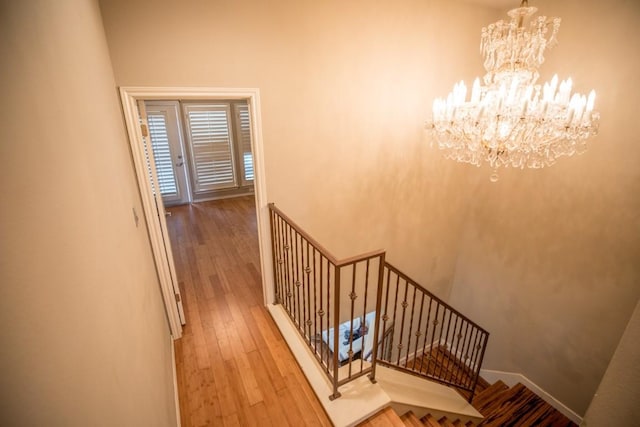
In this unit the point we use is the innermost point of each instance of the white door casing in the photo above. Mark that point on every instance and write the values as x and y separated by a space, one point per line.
162 253
159 243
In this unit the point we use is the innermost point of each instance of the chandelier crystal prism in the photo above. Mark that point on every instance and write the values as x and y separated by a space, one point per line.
508 119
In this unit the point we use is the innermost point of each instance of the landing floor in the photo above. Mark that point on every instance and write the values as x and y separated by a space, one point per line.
233 366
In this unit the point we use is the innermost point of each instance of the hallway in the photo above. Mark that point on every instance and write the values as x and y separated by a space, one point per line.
233 366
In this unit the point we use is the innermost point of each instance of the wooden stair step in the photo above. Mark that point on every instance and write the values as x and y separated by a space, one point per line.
410 420
494 403
384 418
488 394
556 419
441 363
429 421
546 415
514 409
444 422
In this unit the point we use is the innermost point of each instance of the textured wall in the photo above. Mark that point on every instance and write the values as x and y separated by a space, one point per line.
616 402
550 260
85 341
345 90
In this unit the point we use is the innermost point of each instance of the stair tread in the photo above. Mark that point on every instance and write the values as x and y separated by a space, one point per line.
488 394
520 406
440 362
497 405
410 420
444 421
520 400
501 406
493 402
429 421
383 418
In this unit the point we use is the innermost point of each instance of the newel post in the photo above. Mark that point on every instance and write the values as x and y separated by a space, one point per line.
376 329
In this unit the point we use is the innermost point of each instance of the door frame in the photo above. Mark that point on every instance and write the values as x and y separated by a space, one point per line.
129 96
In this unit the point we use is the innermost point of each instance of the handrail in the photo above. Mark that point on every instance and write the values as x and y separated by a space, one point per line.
335 261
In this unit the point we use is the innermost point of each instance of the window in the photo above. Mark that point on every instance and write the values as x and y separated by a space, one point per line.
244 141
162 154
219 140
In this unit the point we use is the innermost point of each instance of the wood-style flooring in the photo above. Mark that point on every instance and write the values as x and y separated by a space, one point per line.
233 366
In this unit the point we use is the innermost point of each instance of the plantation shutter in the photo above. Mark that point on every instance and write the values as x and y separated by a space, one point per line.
162 154
244 142
211 146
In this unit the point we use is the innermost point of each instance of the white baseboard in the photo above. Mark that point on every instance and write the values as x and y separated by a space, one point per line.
175 382
512 378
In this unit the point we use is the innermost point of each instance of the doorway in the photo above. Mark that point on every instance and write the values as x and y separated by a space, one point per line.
133 102
202 150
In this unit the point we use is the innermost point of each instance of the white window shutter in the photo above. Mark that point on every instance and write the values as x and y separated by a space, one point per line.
244 137
211 146
162 154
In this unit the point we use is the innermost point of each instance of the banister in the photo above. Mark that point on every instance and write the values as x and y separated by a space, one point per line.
446 347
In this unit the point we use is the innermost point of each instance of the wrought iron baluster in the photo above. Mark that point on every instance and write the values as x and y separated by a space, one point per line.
436 322
413 309
451 360
418 332
336 323
307 270
395 305
473 355
385 315
301 287
441 364
426 335
281 265
315 300
288 270
353 297
364 311
404 305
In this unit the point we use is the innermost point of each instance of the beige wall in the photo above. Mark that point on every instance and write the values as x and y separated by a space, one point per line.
616 402
345 90
84 337
550 260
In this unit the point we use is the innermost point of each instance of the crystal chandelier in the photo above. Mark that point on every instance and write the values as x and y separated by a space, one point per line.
509 120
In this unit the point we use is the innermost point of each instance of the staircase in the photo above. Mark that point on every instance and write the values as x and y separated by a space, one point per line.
500 405
359 314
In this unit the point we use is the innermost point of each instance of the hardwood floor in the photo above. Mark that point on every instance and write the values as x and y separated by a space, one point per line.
233 366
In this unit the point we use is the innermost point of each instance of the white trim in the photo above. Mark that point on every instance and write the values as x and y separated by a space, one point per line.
175 382
513 378
131 116
129 97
